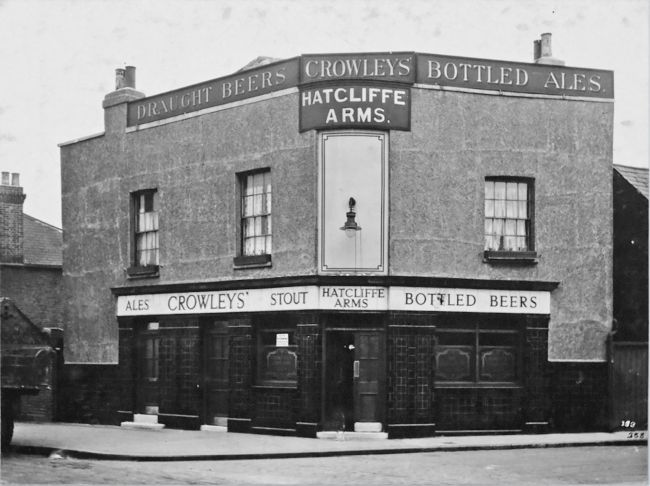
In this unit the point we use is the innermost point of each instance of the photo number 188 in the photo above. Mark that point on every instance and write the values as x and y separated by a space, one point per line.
632 435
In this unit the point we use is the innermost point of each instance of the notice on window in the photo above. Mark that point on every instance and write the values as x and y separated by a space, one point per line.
282 340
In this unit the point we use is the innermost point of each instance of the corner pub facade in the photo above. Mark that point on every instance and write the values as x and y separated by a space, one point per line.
395 243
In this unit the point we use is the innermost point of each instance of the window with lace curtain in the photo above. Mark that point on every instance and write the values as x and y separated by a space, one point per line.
145 233
255 224
509 218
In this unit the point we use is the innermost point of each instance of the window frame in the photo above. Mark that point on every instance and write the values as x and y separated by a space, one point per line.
242 260
475 329
528 256
136 270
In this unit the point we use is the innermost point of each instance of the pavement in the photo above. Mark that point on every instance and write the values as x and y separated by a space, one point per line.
83 441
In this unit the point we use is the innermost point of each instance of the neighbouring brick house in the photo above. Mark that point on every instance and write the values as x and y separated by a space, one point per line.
30 274
398 243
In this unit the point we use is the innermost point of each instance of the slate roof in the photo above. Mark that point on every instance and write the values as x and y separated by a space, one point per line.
42 243
637 176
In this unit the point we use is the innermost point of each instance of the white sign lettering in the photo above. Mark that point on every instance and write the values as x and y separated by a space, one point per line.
470 300
352 298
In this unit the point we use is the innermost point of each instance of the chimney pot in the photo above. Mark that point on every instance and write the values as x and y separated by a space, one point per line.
129 78
5 178
120 82
537 49
546 45
543 53
15 179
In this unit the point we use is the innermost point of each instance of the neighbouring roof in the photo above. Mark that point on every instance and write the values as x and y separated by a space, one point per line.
637 176
259 61
42 242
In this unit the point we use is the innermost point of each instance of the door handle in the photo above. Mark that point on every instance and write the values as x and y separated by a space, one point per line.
356 369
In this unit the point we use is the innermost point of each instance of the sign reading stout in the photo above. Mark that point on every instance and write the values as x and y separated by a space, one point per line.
384 107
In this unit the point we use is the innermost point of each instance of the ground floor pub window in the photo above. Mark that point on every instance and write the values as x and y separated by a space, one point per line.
478 351
277 357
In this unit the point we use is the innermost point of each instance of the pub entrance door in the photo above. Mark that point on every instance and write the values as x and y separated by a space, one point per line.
169 372
354 375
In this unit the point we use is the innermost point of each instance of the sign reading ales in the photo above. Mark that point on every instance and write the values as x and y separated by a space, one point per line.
355 105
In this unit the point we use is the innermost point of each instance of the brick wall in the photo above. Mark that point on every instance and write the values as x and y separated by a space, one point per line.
36 291
90 394
579 396
275 408
241 374
411 371
536 376
126 370
309 372
11 224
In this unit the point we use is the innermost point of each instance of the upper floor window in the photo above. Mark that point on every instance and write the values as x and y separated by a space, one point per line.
509 218
145 231
256 229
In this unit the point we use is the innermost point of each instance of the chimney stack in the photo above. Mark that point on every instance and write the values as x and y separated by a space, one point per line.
115 103
11 219
542 52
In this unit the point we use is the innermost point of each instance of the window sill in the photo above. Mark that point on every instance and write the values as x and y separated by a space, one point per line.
480 385
286 386
251 261
150 271
519 257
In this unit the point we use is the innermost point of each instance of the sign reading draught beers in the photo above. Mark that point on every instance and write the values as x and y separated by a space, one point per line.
355 105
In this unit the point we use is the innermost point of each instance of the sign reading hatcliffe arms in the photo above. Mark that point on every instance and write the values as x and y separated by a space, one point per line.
350 298
355 105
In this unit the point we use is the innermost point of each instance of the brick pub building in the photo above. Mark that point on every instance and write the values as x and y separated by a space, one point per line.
398 243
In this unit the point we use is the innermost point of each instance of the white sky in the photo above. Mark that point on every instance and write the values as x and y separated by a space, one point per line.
59 56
